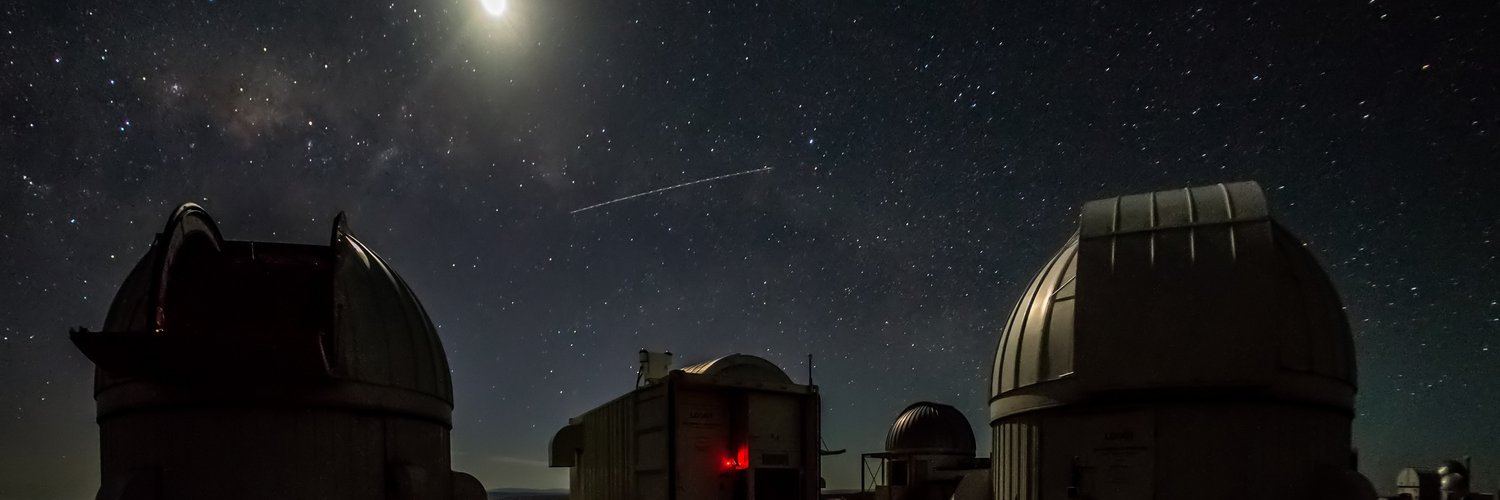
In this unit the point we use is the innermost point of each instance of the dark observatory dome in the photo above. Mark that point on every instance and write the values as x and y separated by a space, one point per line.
333 321
1452 467
928 428
1181 290
741 368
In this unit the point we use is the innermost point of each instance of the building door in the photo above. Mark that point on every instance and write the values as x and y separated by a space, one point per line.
741 484
777 484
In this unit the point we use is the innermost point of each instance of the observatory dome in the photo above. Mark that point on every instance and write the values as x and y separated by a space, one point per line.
1182 290
926 428
742 368
246 370
199 311
1452 467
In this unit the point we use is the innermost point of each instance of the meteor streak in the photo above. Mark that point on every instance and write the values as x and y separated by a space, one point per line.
669 188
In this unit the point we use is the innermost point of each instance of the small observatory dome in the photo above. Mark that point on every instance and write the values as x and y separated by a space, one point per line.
1413 477
1452 467
1455 483
927 428
241 369
1170 327
1454 477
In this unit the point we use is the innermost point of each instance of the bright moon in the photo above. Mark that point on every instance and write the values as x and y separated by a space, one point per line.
496 8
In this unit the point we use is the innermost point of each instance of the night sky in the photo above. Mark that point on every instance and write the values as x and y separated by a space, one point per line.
921 161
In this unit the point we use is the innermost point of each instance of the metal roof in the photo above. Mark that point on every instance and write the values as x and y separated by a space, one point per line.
929 428
1200 285
565 445
741 368
204 308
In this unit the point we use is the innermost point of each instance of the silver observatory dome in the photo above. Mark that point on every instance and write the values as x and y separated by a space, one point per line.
1187 289
1171 327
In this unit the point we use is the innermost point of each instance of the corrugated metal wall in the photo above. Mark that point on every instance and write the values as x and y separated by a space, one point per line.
1239 450
1016 459
605 468
653 458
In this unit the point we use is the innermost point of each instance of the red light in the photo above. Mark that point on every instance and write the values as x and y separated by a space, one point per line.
740 460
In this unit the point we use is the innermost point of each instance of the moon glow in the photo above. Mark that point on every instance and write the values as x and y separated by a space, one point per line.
495 8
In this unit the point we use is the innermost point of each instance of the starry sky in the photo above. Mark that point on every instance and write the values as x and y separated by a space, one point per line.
920 161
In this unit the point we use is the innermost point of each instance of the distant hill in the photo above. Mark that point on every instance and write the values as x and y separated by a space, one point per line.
523 494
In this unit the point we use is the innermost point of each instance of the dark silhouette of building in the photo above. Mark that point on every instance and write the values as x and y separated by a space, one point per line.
254 370
928 450
1181 345
735 428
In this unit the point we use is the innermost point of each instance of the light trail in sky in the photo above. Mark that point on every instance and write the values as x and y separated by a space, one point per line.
669 188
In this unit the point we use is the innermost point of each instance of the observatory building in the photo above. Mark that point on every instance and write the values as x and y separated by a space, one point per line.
735 428
1181 345
928 451
1451 480
252 370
